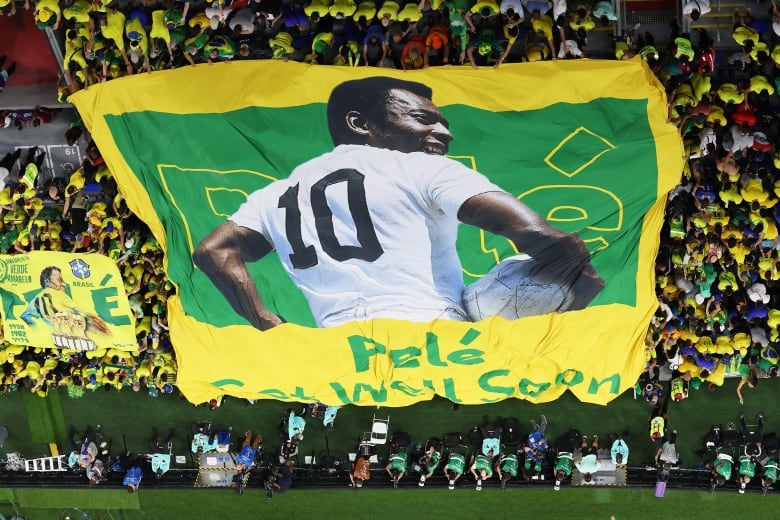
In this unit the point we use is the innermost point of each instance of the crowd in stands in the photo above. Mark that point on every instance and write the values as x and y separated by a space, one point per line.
717 264
86 214
108 39
716 271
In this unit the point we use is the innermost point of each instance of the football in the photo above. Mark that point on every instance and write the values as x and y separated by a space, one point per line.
514 289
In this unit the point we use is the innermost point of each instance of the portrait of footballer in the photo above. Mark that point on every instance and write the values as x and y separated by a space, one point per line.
368 230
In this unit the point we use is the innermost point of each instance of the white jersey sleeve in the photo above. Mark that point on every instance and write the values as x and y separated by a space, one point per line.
369 233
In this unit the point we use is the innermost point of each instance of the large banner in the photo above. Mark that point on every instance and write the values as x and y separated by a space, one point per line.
65 301
377 237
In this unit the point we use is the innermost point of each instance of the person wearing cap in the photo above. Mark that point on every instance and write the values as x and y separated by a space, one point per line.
361 471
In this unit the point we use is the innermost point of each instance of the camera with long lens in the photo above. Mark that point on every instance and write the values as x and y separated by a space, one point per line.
269 483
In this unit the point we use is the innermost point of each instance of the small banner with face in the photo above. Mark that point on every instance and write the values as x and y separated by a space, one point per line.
372 237
65 301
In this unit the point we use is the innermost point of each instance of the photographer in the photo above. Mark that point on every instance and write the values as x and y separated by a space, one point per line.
361 471
279 480
246 457
667 452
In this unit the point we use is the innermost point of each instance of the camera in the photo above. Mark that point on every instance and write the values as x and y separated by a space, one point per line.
269 483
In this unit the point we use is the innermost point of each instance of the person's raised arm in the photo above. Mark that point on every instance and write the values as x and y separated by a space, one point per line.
562 256
223 256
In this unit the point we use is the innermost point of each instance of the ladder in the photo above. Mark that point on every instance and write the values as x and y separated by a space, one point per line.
45 464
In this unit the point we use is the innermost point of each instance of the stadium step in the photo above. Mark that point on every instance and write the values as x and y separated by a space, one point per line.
719 22
44 464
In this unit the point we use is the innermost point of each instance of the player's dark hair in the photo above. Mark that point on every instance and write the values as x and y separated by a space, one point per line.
368 97
46 275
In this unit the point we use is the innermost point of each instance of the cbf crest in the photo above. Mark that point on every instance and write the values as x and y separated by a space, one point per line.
79 268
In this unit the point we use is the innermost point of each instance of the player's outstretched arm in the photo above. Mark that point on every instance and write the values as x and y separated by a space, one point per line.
223 256
562 256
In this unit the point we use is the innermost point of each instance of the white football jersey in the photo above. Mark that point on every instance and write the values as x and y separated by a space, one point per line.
369 233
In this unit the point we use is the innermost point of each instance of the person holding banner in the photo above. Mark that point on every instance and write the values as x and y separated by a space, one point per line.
368 230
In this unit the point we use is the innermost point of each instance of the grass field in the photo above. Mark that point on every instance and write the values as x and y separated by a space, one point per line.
431 504
34 422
